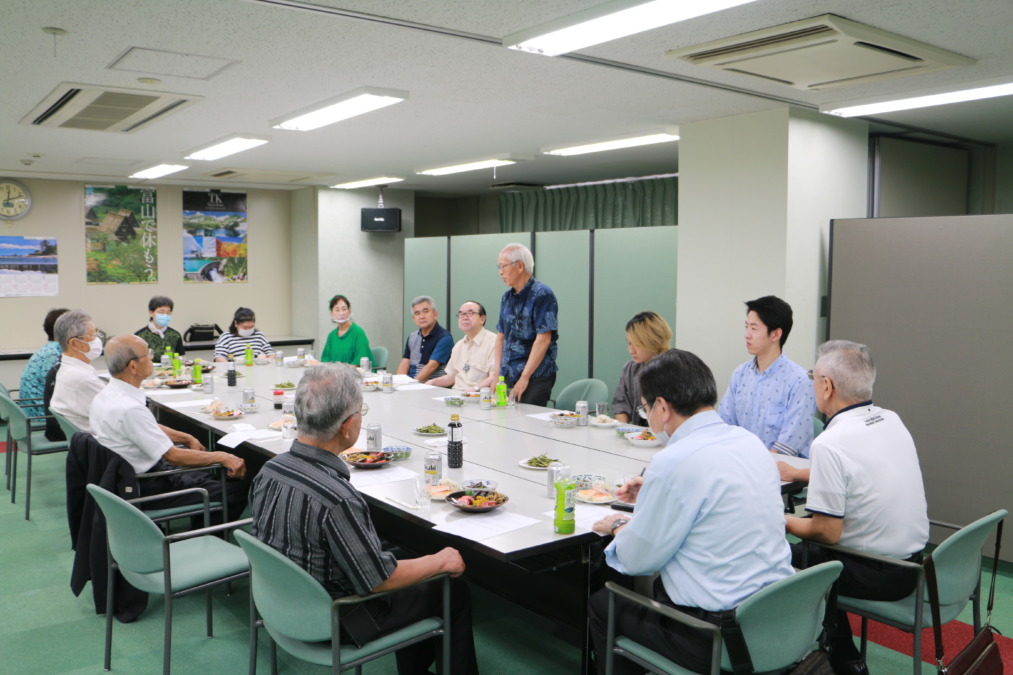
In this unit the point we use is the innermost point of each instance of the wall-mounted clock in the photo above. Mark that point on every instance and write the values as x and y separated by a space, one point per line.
15 199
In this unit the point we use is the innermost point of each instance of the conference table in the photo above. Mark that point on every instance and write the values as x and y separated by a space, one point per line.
513 550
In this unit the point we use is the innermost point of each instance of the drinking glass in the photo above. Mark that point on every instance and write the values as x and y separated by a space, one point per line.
288 427
601 408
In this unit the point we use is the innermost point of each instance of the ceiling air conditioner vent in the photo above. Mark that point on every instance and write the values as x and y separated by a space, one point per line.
821 52
95 108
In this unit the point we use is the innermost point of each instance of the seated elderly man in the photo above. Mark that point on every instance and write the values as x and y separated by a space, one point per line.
865 490
120 420
709 517
76 382
426 351
472 363
304 505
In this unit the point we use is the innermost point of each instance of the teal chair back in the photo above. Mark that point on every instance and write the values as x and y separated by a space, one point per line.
817 426
290 601
590 390
68 429
958 561
17 420
134 539
782 622
380 355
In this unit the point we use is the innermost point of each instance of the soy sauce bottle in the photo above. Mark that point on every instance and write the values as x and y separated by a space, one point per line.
230 372
455 443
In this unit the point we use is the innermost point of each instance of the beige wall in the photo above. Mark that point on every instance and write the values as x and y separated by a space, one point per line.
58 212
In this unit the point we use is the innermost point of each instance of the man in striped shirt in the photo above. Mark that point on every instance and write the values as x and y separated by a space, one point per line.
304 505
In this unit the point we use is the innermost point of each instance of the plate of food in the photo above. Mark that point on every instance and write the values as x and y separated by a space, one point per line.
565 419
453 400
603 422
430 430
153 383
204 366
595 495
644 439
471 396
284 386
477 501
178 384
443 488
366 460
538 463
226 414
621 431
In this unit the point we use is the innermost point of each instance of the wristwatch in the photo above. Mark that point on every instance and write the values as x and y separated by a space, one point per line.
616 524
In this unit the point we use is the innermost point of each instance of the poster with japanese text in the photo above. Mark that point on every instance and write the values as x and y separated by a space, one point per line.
121 234
214 236
28 267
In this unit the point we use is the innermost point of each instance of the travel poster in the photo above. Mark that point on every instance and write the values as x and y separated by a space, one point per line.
28 267
214 236
121 234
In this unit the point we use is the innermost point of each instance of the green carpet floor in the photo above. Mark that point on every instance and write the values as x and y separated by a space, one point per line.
45 629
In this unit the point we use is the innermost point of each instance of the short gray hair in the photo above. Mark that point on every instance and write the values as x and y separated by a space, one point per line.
849 366
424 298
326 396
71 325
119 353
520 252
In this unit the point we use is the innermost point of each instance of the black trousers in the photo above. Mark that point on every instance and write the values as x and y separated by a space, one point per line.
409 605
539 390
675 641
237 493
860 578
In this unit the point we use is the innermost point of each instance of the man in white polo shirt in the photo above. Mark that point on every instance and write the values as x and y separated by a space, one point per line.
865 490
121 421
473 359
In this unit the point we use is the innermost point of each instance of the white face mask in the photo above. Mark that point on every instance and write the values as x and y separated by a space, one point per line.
335 319
94 349
660 435
246 332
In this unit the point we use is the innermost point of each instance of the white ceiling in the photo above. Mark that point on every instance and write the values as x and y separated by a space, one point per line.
469 97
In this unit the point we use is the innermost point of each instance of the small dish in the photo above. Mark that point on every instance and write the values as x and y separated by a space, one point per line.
488 500
370 385
603 422
262 360
366 460
443 488
284 386
471 396
621 431
479 484
178 384
399 452
454 401
565 420
227 414
430 430
637 440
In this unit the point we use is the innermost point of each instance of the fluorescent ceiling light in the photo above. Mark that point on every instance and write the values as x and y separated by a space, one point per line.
472 166
358 102
225 147
610 21
631 179
159 170
383 180
666 136
926 101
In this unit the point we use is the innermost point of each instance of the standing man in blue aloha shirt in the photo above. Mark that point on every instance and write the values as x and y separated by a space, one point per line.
528 328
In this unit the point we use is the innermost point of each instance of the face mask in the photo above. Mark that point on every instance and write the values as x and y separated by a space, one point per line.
335 319
94 349
660 435
246 332
162 320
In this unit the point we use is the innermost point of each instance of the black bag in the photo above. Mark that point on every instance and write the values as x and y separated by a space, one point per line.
981 655
202 332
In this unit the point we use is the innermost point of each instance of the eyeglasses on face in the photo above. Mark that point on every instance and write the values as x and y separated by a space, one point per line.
461 315
500 266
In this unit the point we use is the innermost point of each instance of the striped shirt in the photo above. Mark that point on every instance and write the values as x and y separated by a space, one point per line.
304 506
235 345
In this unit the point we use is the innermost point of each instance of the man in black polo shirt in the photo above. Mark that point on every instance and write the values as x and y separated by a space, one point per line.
428 349
304 505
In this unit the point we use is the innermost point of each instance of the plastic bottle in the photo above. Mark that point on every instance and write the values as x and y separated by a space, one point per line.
249 355
166 362
177 365
230 373
566 491
501 392
455 443
198 372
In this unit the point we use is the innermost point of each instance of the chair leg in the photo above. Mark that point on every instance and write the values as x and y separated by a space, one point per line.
610 637
167 647
110 611
12 480
28 483
274 657
254 624
916 654
207 603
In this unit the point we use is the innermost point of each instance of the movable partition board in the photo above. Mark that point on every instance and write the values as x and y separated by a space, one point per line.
425 273
931 297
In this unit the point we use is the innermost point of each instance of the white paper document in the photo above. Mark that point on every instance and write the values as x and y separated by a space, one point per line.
546 416
479 526
405 379
237 437
205 402
158 393
586 515
413 387
391 474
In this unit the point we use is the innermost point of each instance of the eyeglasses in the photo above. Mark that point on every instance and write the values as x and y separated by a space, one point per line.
500 266
812 376
642 410
461 315
84 338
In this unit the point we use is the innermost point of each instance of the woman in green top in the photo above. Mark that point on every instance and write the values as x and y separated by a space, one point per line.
348 342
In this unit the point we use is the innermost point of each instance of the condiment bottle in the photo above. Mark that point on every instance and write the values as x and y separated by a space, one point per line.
455 443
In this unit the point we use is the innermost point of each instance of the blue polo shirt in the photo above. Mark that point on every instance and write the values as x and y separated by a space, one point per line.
522 317
421 349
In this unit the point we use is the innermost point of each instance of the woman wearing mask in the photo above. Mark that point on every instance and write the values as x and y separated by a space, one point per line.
347 343
647 335
242 332
157 333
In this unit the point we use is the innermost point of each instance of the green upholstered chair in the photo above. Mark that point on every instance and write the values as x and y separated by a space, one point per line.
780 624
65 425
380 356
23 438
301 617
172 565
590 390
958 573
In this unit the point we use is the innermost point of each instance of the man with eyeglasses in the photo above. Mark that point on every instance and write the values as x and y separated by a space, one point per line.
76 381
472 363
528 328
304 505
865 490
428 348
121 421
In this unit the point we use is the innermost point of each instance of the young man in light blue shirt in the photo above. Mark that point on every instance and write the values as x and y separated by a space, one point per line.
771 395
709 517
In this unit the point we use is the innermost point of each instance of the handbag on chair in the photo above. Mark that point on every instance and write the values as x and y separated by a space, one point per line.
202 332
981 655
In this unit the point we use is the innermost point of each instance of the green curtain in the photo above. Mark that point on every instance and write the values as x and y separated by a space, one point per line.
644 203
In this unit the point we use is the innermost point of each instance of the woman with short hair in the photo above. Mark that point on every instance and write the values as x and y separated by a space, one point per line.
157 333
347 343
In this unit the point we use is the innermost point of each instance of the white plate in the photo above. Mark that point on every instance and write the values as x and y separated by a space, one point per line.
427 433
640 443
524 463
234 416
604 425
588 501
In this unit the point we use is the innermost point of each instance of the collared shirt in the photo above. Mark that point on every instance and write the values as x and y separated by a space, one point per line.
158 339
77 384
709 517
865 470
627 396
421 349
235 345
121 421
304 506
777 405
523 317
33 377
472 359
347 348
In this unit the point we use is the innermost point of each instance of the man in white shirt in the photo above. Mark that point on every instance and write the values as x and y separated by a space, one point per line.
473 361
76 383
865 490
121 421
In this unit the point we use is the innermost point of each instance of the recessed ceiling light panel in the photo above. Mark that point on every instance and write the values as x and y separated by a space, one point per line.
159 170
667 136
382 180
358 102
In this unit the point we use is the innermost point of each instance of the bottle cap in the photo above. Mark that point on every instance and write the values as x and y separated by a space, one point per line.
455 418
